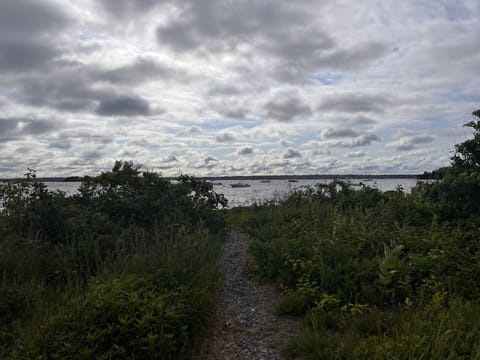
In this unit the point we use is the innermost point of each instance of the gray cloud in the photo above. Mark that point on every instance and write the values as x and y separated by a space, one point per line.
91 156
27 34
63 89
86 136
191 132
224 137
27 18
331 133
354 103
142 70
62 144
410 142
123 106
351 58
24 56
171 158
246 150
286 107
297 49
356 154
15 128
291 153
361 120
360 140
123 8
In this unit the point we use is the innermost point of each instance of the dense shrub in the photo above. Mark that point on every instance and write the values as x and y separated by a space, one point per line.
126 268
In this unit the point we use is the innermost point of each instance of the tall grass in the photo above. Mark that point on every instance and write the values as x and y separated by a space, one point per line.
375 275
108 281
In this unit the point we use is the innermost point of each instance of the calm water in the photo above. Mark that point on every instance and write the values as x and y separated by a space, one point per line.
261 192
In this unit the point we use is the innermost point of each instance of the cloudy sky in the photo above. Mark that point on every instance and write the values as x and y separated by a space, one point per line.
236 87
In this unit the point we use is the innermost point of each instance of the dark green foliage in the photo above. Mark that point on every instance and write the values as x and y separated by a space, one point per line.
129 317
457 195
125 269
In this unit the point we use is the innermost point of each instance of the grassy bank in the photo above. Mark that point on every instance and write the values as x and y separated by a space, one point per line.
125 269
375 275
378 275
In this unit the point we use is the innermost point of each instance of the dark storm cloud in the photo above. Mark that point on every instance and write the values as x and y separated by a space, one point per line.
15 128
354 103
286 106
291 153
123 106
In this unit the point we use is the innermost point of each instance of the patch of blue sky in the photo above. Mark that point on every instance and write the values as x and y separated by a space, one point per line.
326 78
119 141
459 96
220 124
303 138
90 36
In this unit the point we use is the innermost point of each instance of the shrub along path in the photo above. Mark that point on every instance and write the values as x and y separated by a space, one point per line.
245 325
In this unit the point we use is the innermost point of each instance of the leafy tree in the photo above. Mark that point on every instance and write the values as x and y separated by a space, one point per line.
457 195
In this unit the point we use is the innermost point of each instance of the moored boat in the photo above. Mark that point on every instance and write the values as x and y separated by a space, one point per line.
239 185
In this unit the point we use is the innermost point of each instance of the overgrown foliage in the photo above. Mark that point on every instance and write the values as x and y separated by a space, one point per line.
378 275
124 269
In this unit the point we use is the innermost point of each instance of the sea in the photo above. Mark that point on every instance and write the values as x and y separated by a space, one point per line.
261 192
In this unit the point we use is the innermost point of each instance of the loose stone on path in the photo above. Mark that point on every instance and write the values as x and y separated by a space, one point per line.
245 325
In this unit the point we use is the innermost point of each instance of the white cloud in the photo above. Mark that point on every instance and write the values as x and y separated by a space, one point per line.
202 82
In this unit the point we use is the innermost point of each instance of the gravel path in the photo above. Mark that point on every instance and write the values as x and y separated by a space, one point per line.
245 325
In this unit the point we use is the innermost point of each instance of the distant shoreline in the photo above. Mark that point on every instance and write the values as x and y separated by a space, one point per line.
254 177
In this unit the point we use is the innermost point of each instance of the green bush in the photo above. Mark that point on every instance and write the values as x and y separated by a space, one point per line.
126 268
132 316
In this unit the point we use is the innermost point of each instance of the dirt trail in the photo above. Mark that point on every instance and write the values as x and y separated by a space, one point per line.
245 325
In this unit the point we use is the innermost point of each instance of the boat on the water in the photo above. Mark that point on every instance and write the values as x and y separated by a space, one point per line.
239 185
265 181
292 180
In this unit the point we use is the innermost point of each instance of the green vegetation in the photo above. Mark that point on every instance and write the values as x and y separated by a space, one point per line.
125 269
378 275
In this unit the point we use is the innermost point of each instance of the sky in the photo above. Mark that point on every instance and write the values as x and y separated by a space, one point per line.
244 87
